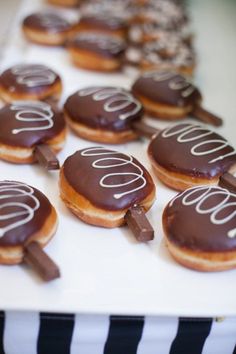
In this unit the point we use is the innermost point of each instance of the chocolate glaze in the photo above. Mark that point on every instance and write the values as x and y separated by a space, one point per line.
161 92
19 235
29 138
47 22
11 81
85 179
103 21
187 228
177 157
88 110
105 45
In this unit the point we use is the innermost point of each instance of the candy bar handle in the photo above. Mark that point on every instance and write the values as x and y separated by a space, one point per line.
139 224
143 129
46 157
205 116
41 262
228 181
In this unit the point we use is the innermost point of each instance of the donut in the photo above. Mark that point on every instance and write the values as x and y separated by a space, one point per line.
103 114
200 228
187 155
168 53
104 23
29 82
100 185
149 32
123 9
26 216
26 124
65 3
47 28
96 51
166 13
169 95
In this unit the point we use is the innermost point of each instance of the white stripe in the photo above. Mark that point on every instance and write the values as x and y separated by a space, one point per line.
90 334
21 332
158 335
222 337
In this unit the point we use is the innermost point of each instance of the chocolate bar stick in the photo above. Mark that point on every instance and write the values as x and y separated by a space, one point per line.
41 262
46 157
144 130
228 181
206 117
139 224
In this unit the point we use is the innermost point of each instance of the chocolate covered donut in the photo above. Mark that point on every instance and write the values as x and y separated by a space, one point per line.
104 23
100 185
26 216
27 124
29 82
186 155
47 28
169 95
103 114
200 228
94 51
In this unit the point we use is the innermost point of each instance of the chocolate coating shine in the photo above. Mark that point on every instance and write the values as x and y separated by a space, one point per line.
167 88
27 78
32 207
193 150
47 22
108 179
106 108
101 44
28 123
187 226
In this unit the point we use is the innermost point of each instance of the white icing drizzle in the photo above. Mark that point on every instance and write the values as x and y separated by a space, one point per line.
113 44
183 137
33 75
189 198
178 83
116 162
33 111
11 195
116 99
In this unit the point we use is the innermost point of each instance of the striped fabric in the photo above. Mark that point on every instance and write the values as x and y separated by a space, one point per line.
44 333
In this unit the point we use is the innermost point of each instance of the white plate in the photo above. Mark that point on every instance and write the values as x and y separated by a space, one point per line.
107 271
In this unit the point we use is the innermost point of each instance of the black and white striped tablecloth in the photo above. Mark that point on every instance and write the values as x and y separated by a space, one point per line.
44 333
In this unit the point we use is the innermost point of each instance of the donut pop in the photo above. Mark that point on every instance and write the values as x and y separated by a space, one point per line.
168 95
106 114
96 51
104 23
28 221
47 28
108 188
200 228
30 82
31 131
186 155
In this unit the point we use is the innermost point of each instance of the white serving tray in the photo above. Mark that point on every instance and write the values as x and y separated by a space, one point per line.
107 271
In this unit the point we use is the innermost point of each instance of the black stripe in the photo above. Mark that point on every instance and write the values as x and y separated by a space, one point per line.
234 352
55 333
2 323
191 335
124 335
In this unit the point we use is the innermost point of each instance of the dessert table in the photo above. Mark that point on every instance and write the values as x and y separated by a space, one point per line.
117 296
